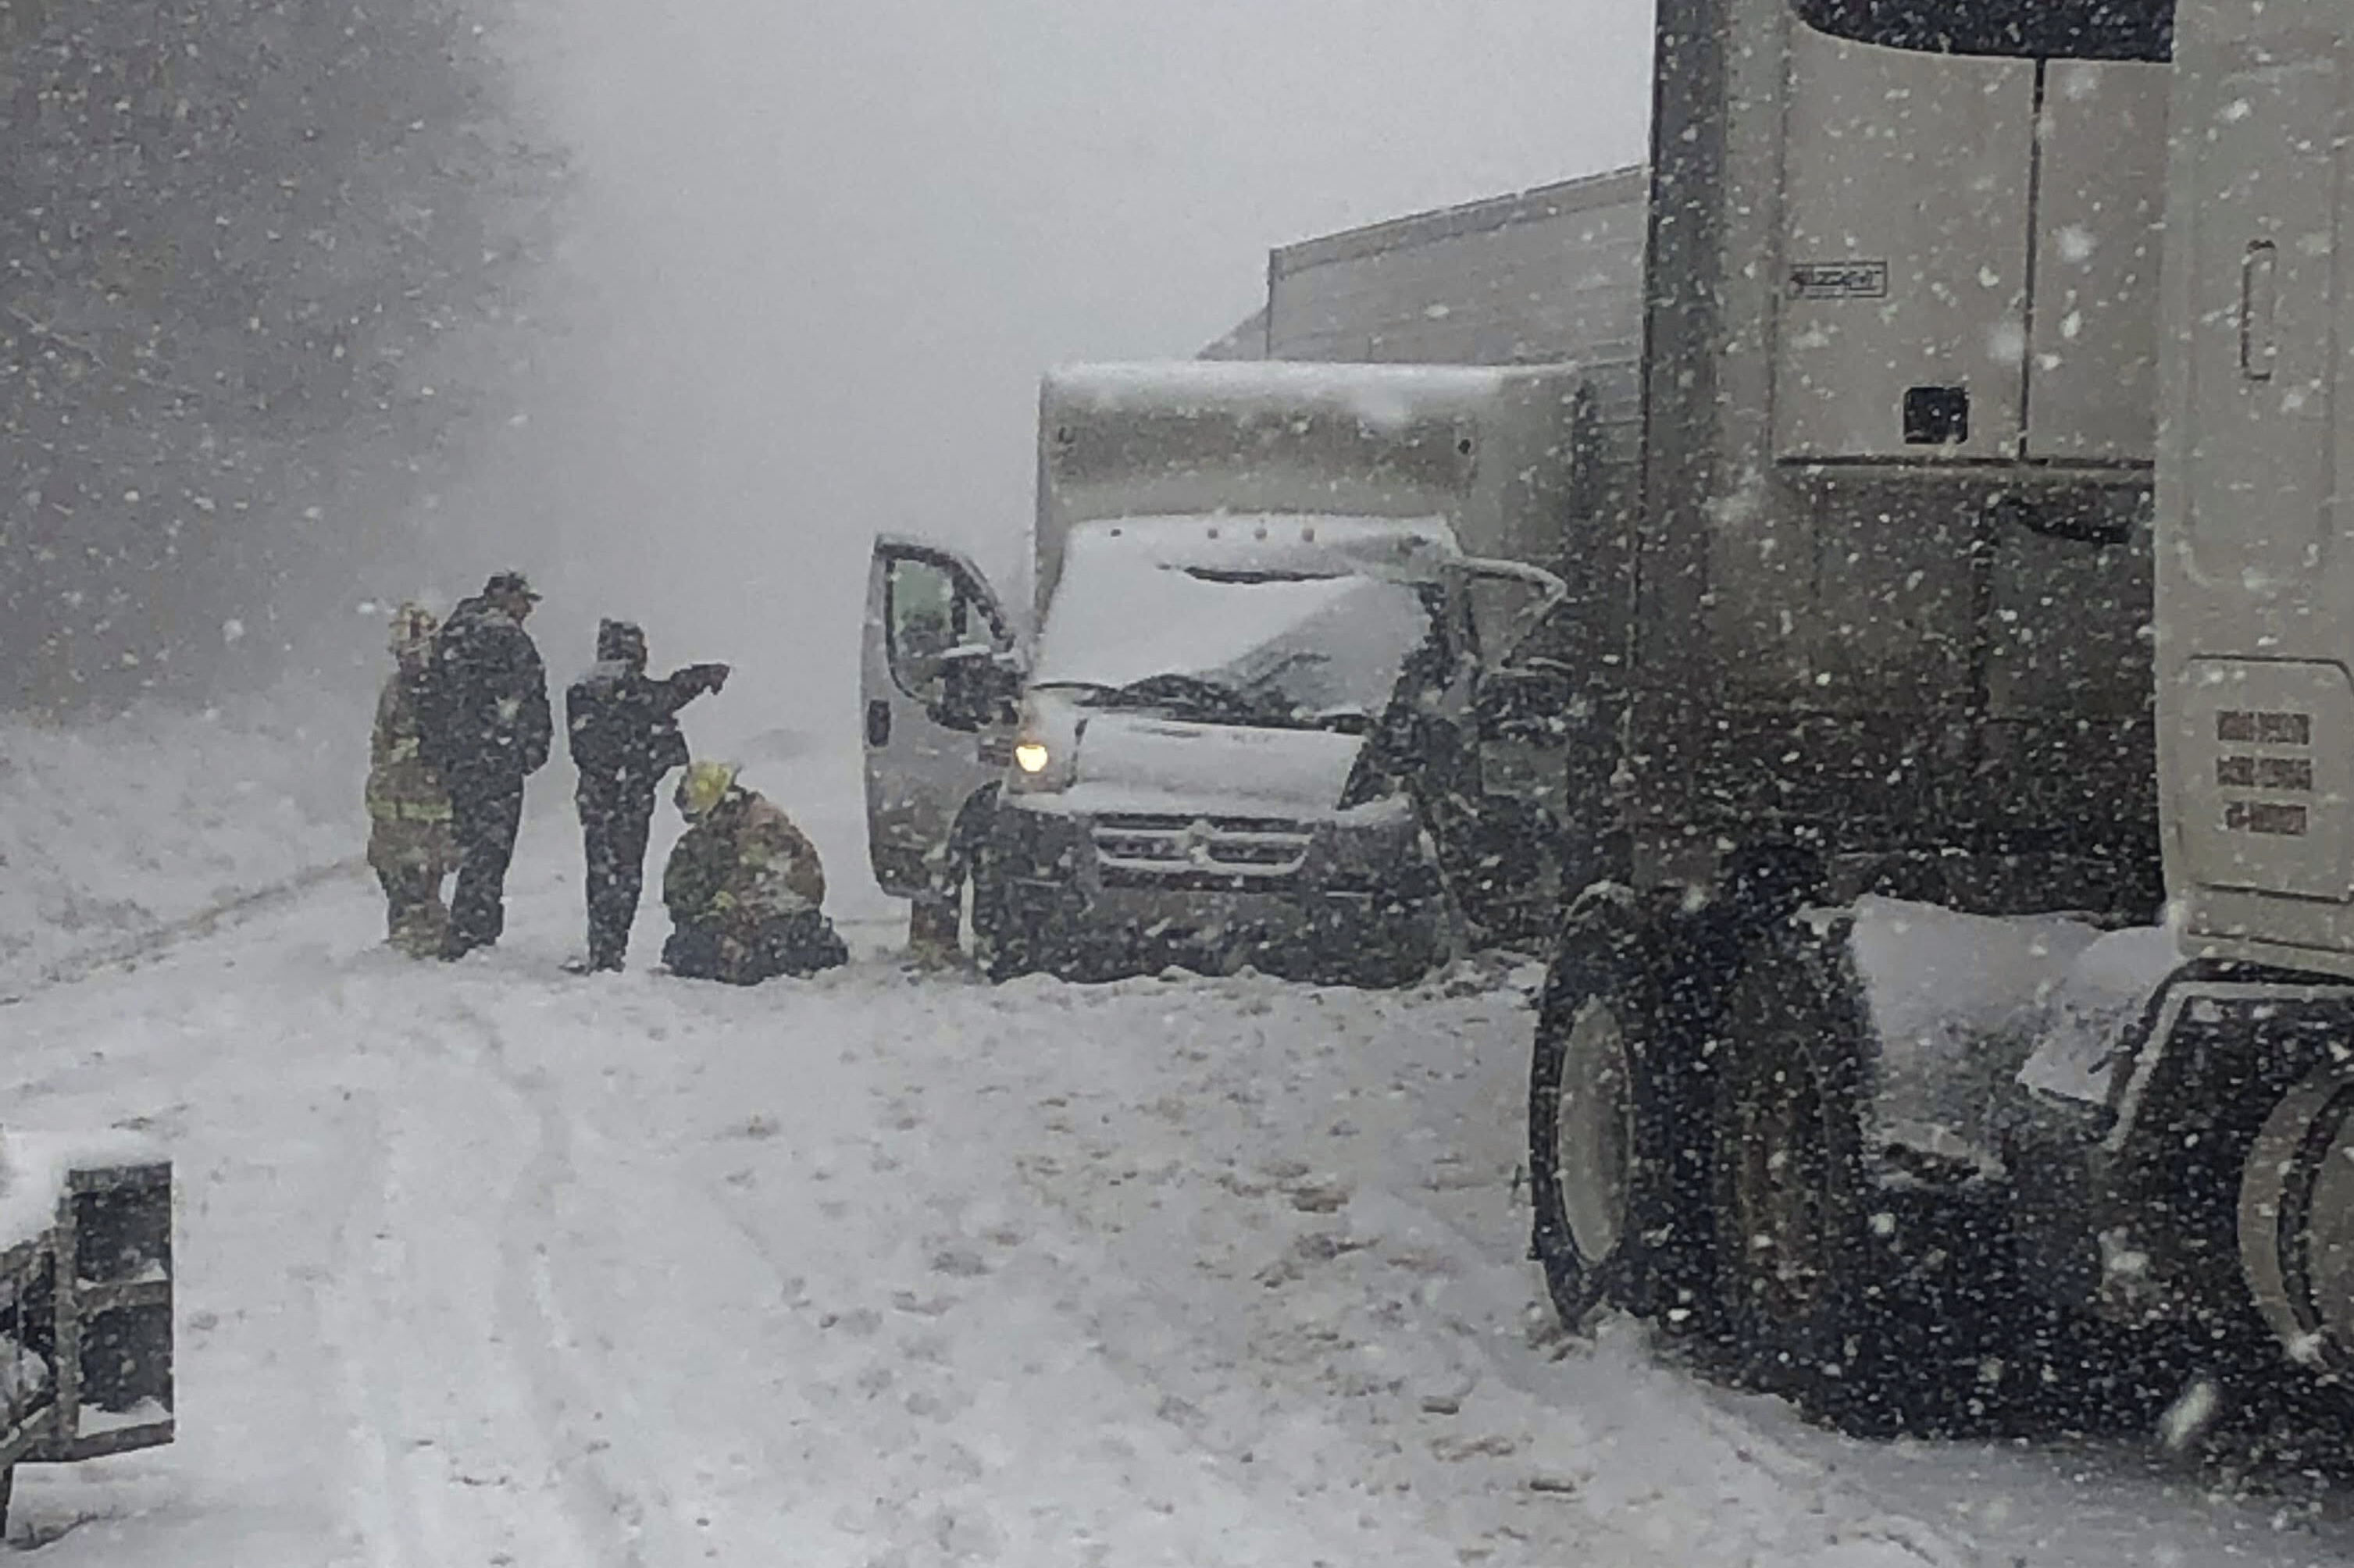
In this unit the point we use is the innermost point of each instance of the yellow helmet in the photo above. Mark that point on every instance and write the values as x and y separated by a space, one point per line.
702 787
413 627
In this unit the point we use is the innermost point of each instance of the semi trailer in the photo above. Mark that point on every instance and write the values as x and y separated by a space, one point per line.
1305 674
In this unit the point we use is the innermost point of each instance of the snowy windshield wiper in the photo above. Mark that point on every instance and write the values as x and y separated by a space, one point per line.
1194 696
1200 697
1274 702
1089 691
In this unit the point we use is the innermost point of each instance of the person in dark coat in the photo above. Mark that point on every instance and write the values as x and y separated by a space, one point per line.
624 726
487 728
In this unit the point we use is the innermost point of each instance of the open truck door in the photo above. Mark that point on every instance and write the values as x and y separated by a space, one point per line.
1537 830
938 679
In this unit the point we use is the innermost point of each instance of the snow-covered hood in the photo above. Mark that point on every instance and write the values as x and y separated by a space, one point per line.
1145 762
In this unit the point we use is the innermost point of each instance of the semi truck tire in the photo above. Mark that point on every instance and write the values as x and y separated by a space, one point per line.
1602 1114
2296 1222
1794 1262
1878 1306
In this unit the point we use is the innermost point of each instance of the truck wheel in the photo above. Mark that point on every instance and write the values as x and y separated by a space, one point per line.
1003 944
2296 1222
1601 1148
1794 1268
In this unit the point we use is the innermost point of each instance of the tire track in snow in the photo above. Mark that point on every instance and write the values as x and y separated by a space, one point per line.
699 1439
671 1419
547 1345
470 1470
382 1497
544 1340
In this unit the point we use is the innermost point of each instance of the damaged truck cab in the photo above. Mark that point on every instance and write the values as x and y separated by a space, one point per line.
1298 632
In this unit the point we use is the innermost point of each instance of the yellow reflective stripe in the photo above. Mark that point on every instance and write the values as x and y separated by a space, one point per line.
408 810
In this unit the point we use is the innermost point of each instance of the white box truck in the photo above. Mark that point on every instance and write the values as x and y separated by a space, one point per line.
1287 617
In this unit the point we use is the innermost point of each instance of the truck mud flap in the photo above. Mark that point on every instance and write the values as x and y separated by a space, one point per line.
111 1329
27 1348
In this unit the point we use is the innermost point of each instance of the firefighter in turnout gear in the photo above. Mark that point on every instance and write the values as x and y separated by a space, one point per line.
624 726
411 845
487 728
744 888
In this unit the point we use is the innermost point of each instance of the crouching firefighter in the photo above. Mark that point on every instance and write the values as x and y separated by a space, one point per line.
744 886
411 844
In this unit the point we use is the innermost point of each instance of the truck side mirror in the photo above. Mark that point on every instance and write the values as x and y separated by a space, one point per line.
978 688
1526 707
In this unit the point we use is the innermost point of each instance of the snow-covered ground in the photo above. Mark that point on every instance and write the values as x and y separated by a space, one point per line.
112 835
486 1265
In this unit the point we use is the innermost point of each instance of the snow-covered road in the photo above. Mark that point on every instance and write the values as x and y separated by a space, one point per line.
488 1264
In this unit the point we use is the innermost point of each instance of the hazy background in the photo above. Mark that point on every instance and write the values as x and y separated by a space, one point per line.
816 254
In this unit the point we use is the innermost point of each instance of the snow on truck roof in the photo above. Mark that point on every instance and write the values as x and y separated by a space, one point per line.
1246 385
36 1166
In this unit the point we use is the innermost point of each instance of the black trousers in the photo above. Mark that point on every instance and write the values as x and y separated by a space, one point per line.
793 945
615 825
485 816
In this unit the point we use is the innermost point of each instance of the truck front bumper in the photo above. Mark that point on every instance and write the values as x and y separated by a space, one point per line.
2206 1182
1349 900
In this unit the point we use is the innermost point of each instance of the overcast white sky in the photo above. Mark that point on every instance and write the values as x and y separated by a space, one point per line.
831 243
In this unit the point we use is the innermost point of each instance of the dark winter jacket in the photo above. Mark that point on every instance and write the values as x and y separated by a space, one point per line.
484 701
622 723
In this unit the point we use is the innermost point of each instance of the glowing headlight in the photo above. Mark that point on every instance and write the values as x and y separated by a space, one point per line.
1030 755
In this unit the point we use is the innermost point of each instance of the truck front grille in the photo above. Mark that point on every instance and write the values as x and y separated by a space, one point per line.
1237 852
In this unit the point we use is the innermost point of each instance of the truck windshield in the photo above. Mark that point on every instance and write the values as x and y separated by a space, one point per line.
2038 30
1125 630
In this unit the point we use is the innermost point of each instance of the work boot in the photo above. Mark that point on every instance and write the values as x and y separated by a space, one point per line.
417 934
935 930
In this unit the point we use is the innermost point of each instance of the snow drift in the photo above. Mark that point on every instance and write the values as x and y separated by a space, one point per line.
113 833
